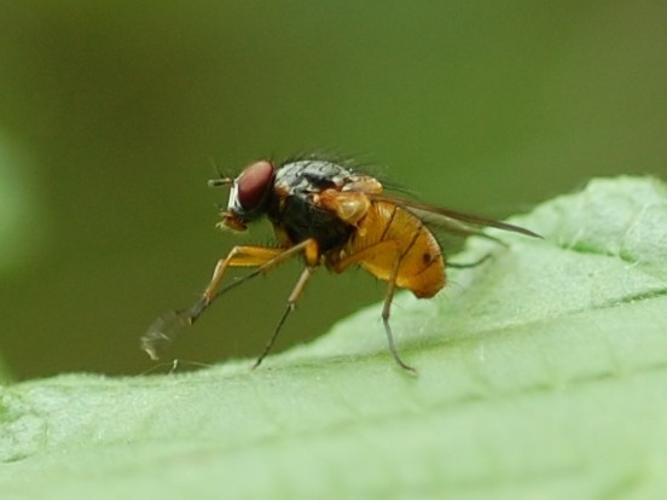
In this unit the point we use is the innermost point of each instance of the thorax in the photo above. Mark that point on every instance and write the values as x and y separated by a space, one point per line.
292 211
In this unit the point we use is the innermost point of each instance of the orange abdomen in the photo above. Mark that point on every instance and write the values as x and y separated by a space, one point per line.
422 267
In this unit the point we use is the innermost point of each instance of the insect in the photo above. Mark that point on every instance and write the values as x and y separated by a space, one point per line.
331 216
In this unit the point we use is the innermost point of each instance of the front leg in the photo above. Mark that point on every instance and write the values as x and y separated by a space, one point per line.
166 327
239 256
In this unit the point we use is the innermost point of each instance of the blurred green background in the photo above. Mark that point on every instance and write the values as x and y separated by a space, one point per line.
111 114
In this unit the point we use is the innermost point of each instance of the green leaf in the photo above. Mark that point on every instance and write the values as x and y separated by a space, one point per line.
542 374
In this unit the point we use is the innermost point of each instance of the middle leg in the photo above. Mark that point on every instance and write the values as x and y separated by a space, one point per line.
291 304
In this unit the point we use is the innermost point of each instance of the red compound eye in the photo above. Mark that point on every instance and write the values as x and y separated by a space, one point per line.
253 184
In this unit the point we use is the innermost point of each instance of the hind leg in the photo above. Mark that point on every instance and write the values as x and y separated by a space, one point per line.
369 254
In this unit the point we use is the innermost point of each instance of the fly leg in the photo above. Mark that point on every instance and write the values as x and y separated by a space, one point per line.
469 265
265 259
165 328
386 311
239 256
368 254
291 303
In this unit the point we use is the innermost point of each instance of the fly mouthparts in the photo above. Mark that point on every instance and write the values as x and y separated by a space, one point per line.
223 181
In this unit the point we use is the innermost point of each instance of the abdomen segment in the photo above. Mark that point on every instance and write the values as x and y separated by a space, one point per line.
388 233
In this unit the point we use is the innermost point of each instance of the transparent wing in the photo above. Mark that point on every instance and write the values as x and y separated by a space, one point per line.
451 220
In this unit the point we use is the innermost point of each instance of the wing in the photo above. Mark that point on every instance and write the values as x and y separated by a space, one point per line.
451 220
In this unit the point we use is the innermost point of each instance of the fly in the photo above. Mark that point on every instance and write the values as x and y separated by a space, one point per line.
329 215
